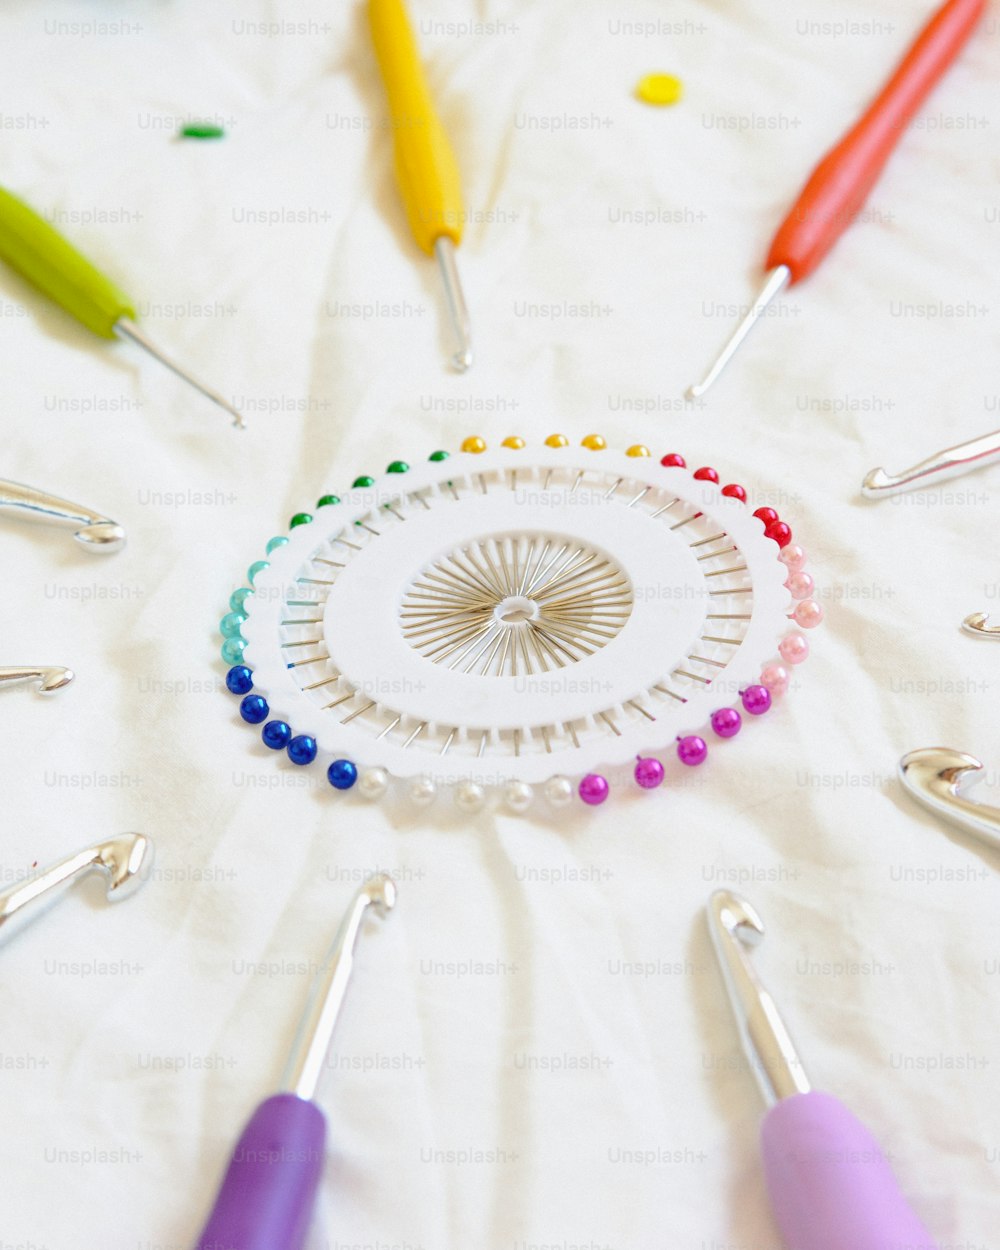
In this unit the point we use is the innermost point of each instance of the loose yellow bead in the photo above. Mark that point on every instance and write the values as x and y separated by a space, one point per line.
475 444
659 89
514 441
637 449
593 442
557 440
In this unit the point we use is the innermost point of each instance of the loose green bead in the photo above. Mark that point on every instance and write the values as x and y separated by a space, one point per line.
364 480
239 597
438 455
232 649
201 130
398 466
274 543
258 566
229 626
300 518
327 501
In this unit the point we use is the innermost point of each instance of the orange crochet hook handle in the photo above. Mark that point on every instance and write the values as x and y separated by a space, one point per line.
839 185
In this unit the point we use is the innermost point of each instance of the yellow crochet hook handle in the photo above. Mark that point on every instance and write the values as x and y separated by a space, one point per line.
43 257
425 164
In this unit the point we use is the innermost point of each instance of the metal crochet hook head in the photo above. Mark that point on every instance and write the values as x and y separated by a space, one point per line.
952 462
126 861
734 925
458 312
312 1040
49 677
977 624
934 776
774 281
94 532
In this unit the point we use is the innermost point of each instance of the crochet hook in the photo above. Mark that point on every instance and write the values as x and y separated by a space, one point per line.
934 776
126 862
53 266
978 453
830 1185
94 531
840 183
269 1191
426 169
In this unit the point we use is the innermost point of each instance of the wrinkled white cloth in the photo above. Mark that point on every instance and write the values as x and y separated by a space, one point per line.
537 1049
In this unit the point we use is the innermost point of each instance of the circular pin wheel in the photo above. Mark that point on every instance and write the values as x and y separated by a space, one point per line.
533 625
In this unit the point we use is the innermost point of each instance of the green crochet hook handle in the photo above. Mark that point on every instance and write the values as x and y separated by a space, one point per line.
44 258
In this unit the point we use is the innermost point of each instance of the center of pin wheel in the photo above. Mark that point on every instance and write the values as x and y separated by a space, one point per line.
514 604
516 610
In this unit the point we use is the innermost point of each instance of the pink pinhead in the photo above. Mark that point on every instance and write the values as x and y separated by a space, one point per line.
792 557
692 749
800 585
726 722
793 648
756 700
775 677
594 789
808 614
648 772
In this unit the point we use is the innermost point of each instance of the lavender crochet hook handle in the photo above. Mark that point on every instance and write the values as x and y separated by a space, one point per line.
267 1197
269 1191
831 1186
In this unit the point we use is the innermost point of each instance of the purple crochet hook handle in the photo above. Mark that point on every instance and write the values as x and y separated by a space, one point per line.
267 1197
831 1186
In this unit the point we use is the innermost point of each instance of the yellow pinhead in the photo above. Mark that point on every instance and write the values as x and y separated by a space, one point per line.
659 89
475 444
514 441
637 449
593 442
557 440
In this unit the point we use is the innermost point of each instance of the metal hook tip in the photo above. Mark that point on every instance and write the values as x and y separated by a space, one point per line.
917 768
129 862
977 624
52 679
738 917
380 893
104 537
876 483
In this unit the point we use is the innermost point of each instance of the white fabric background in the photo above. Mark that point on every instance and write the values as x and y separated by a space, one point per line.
148 1070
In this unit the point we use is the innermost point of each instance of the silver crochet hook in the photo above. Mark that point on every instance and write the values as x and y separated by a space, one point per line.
953 461
126 861
976 623
315 1031
93 531
50 678
934 776
734 924
458 312
774 282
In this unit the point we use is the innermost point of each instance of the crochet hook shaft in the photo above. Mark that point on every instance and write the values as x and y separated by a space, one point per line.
426 169
840 183
269 1191
830 1185
53 266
